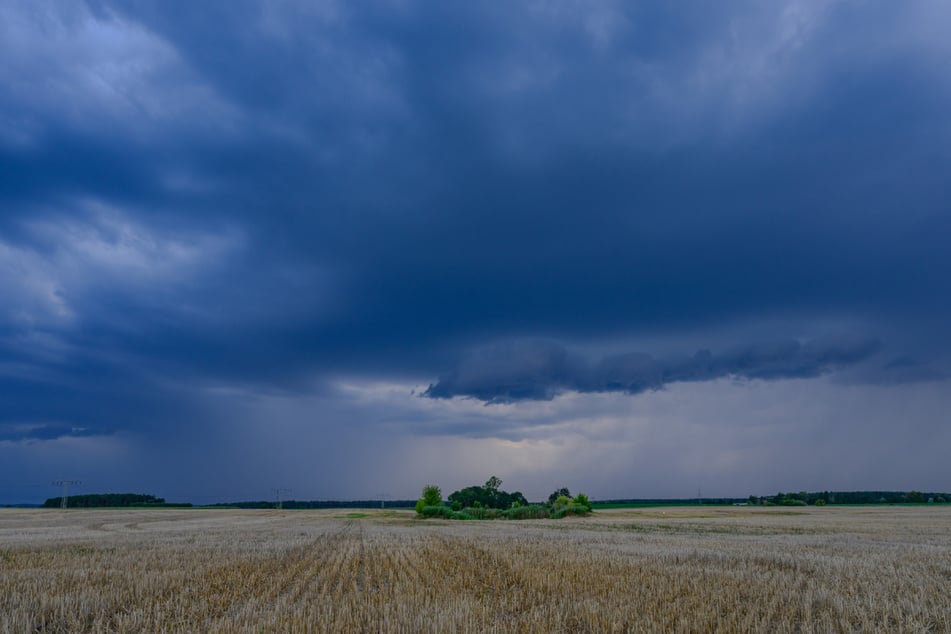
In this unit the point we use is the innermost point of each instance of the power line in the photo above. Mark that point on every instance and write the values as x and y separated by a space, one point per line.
277 492
65 484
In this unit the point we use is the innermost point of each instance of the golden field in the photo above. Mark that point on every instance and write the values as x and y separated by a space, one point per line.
689 569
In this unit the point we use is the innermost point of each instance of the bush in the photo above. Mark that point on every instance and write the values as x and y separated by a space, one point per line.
569 509
820 502
582 500
792 502
436 511
482 513
531 512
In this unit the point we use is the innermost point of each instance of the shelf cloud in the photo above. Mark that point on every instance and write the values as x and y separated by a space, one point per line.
542 370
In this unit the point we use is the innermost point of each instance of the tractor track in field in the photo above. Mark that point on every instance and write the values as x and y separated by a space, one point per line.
254 589
303 573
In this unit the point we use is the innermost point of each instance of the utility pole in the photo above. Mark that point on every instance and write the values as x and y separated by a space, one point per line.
277 492
65 484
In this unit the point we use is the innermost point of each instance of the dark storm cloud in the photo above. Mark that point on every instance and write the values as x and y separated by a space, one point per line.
271 194
542 370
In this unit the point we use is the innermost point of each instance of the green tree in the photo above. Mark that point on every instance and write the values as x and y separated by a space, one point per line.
488 496
432 496
562 492
469 496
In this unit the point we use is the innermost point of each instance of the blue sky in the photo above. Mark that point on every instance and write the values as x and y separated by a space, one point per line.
631 248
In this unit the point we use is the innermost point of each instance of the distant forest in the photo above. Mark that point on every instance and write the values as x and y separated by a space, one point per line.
108 500
852 497
801 498
113 500
321 504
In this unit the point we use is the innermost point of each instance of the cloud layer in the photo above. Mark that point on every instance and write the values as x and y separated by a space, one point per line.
267 201
542 370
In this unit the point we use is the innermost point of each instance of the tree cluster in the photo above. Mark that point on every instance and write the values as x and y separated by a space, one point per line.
491 502
489 496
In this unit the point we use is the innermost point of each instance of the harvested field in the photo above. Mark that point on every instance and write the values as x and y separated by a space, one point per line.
698 569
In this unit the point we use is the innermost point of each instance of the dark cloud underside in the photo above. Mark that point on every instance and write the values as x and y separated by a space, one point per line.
539 370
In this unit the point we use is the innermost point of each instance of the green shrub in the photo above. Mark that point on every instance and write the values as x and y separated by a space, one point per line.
475 512
577 509
460 515
482 513
820 502
582 500
531 512
456 506
436 511
792 502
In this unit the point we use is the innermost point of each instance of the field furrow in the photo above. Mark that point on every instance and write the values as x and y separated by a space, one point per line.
831 570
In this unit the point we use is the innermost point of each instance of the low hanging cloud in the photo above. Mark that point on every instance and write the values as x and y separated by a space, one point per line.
542 370
31 432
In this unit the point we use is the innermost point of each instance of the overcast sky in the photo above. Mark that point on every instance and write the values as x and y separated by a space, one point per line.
632 248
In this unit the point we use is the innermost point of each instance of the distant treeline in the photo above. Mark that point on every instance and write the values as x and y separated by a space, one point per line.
102 500
665 501
321 504
794 499
852 497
